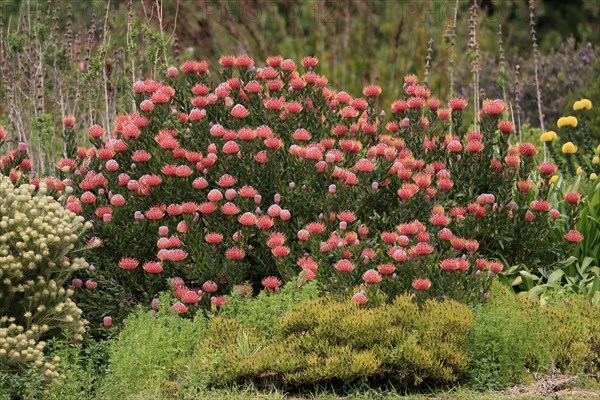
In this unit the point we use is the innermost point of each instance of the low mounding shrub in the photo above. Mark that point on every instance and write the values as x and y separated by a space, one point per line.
570 332
36 235
514 335
324 341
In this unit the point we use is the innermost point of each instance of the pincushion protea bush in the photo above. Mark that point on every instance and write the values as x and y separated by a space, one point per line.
267 175
36 235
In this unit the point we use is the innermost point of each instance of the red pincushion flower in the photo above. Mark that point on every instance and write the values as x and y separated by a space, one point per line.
474 146
271 282
227 61
230 209
239 111
454 146
244 61
371 276
276 239
421 284
179 308
315 228
359 298
506 127
494 107
372 91
399 106
457 103
155 213
524 186
309 62
416 103
386 269
346 216
540 205
247 219
88 197
191 297
547 168
226 181
95 131
572 197
152 267
265 222
344 266
209 287
128 263
247 192
235 253
213 238
527 150
174 209
574 236
495 267
439 220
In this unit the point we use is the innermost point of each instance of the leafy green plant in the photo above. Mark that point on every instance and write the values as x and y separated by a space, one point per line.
262 311
500 342
149 354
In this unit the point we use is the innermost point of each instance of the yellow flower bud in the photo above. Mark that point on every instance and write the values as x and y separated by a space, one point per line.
598 149
569 148
548 136
577 106
586 104
596 160
572 121
593 177
554 179
579 171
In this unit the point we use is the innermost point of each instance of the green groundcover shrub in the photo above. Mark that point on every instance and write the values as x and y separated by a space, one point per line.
320 342
340 343
515 336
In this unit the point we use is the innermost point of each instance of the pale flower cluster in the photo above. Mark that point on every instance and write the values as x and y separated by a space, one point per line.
36 235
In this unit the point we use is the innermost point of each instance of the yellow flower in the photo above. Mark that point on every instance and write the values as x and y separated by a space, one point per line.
566 121
596 160
569 148
585 103
548 136
577 106
562 121
579 171
554 179
598 149
593 177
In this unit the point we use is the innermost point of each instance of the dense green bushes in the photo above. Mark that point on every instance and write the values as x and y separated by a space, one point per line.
332 344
